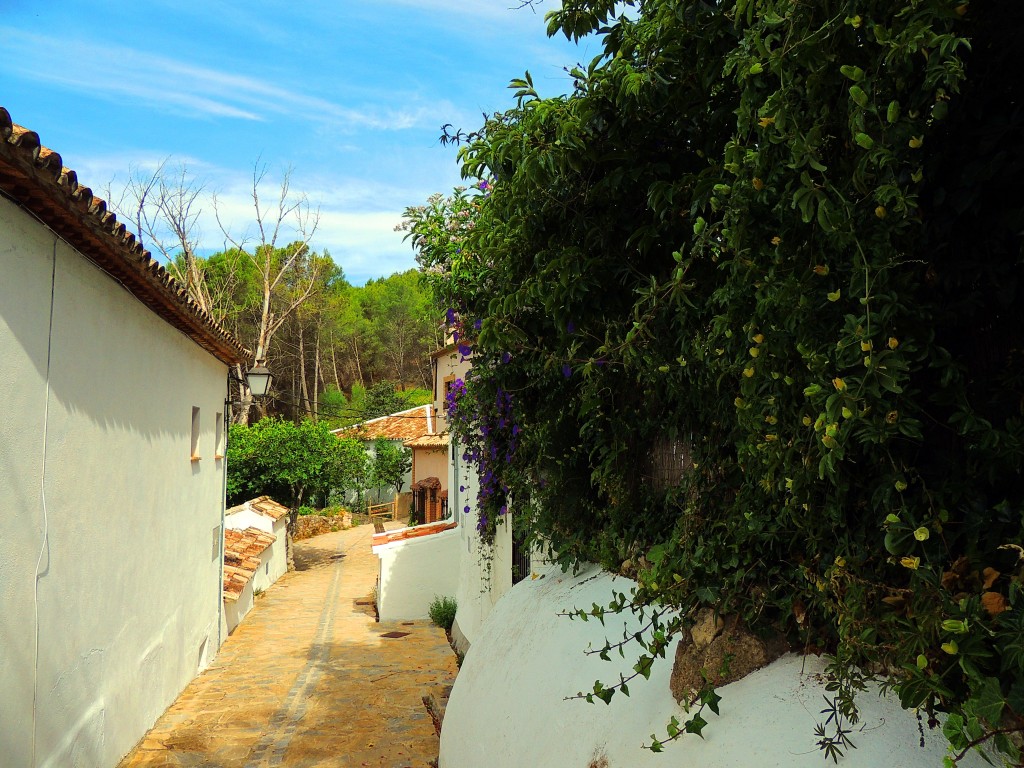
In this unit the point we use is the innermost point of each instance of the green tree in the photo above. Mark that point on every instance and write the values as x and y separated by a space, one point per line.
294 463
390 464
741 308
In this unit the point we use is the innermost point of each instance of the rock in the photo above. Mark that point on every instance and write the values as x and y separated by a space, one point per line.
703 650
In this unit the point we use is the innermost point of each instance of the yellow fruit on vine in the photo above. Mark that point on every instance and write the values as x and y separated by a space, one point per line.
893 342
880 212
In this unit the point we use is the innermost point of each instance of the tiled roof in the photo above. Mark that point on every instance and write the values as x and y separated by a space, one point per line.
404 425
264 505
242 550
411 533
429 441
35 178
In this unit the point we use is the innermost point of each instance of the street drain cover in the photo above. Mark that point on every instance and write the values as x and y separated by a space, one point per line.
395 634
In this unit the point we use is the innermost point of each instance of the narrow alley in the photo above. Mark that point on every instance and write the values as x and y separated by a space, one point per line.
310 679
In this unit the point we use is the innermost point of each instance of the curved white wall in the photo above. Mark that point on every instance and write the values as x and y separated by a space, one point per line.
508 706
129 581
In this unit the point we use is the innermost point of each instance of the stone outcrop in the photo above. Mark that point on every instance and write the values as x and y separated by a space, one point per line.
707 645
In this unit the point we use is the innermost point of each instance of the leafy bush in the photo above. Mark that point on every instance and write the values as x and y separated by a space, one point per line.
743 315
304 510
442 612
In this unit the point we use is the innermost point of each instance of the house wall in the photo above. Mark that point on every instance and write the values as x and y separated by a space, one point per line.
430 463
110 553
484 575
414 572
528 662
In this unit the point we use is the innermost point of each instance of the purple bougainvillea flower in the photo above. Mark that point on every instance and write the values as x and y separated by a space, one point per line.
515 430
570 327
462 489
503 510
505 357
566 370
450 316
483 186
466 509
464 350
478 324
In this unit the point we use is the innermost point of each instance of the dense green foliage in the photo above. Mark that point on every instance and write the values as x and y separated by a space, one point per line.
293 463
749 293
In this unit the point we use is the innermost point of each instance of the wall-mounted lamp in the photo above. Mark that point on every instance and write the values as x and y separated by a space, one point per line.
258 379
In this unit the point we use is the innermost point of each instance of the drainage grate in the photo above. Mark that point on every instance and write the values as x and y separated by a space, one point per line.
408 623
395 634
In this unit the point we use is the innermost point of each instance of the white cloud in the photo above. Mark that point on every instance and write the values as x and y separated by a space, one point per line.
169 85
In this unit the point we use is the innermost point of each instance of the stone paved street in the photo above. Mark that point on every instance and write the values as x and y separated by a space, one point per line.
308 681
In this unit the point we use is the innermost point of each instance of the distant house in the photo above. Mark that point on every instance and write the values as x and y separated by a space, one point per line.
264 514
430 476
396 427
113 384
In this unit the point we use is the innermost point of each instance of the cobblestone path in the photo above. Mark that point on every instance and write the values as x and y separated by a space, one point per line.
308 680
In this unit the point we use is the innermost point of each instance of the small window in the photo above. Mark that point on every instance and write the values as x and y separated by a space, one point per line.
195 433
449 381
219 440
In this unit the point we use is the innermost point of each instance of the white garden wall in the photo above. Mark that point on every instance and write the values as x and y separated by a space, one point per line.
508 708
415 571
123 608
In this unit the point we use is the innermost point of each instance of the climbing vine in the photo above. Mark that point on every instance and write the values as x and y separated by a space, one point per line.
780 242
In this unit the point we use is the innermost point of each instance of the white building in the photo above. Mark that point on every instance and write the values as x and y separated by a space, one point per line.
445 559
264 514
111 446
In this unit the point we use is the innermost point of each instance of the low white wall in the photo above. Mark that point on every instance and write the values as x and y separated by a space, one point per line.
236 610
414 571
508 706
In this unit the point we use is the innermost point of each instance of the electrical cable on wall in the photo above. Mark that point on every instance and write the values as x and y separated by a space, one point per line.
42 493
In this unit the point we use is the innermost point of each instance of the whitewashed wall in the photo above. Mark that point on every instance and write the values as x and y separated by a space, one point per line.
508 707
483 577
415 571
126 606
236 610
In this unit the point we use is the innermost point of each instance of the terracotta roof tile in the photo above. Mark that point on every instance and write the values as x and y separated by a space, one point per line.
429 441
242 550
34 177
411 533
264 505
404 425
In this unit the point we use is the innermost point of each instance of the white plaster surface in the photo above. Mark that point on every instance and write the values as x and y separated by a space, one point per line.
508 705
128 583
415 571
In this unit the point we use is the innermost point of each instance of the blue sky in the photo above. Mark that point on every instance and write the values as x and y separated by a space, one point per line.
350 96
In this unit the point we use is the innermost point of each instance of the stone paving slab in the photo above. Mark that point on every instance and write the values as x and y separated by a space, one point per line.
308 681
